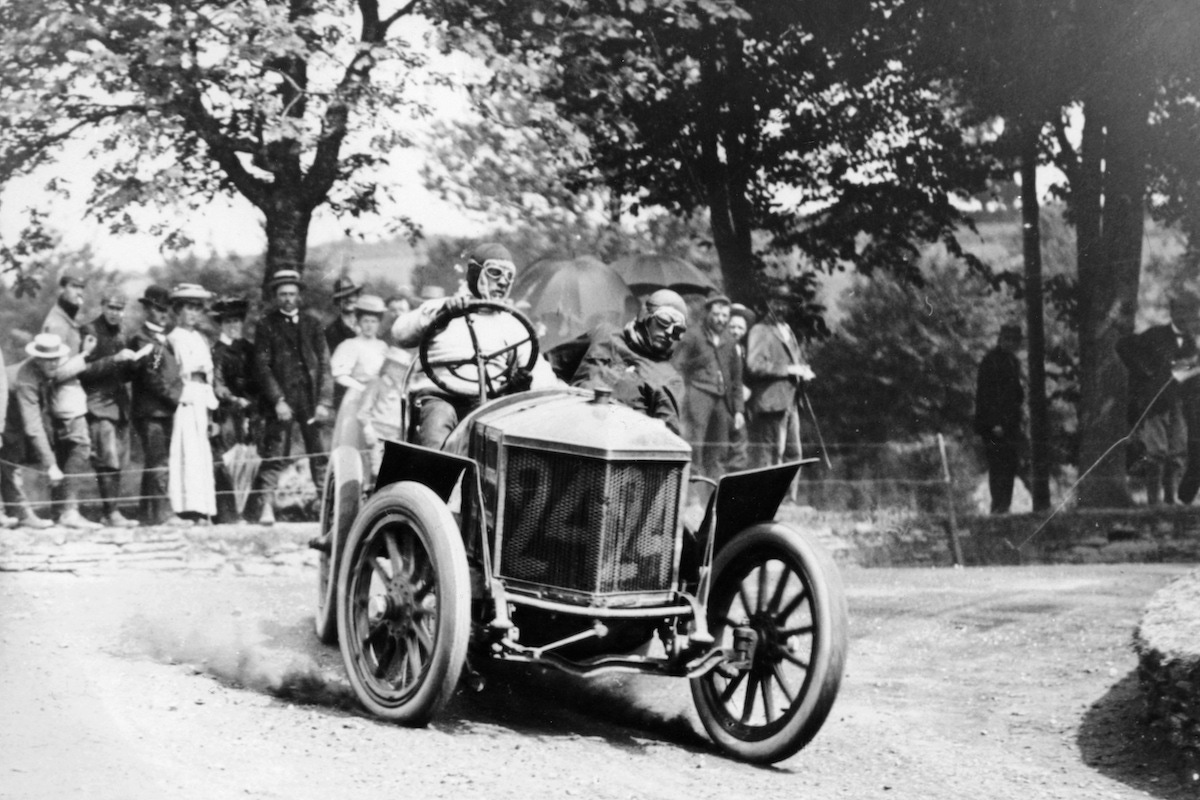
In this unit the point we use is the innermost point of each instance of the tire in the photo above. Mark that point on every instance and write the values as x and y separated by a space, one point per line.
339 506
786 588
404 604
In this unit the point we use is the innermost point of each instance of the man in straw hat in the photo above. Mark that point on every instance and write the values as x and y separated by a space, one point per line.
27 438
635 361
292 359
156 387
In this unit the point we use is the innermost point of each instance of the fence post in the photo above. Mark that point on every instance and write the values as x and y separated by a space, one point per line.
952 517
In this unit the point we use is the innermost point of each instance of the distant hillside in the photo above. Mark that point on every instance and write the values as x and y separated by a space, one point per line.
390 262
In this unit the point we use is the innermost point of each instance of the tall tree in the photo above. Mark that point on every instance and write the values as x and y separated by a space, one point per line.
282 102
1007 60
784 119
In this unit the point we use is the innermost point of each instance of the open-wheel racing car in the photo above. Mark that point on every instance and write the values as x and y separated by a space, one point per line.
549 529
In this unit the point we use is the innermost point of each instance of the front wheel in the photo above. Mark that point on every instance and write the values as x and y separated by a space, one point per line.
404 604
779 596
339 507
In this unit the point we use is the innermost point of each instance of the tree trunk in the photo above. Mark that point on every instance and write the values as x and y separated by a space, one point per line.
287 221
1039 423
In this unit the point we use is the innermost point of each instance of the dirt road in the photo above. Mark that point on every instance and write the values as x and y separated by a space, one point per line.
984 683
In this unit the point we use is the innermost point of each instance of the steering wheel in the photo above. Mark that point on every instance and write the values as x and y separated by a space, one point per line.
487 384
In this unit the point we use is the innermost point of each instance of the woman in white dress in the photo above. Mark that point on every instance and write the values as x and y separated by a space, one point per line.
357 361
190 484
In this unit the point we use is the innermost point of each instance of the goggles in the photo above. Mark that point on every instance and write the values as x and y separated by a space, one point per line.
671 321
495 270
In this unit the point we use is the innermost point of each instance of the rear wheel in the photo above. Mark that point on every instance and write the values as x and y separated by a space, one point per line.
404 604
339 506
775 588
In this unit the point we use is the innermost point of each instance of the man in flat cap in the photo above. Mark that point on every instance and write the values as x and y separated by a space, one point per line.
237 389
156 386
291 356
713 407
108 418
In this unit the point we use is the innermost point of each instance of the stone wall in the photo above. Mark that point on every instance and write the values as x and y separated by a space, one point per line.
1084 536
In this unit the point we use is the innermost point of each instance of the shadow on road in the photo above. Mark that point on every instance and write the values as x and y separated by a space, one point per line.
1115 739
533 700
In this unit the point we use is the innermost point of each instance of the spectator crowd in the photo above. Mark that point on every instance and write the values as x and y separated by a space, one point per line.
215 414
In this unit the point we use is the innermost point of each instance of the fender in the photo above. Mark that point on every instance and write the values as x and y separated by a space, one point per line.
747 498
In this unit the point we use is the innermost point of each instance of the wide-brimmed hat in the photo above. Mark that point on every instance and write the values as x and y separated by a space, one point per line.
739 310
224 308
345 286
47 345
190 291
156 296
370 304
283 277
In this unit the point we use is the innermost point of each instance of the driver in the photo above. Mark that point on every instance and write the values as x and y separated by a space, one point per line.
490 272
635 361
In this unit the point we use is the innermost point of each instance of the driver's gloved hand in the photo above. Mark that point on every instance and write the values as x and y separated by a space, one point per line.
521 380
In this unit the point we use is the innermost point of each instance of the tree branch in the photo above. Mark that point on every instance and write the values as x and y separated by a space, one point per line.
196 117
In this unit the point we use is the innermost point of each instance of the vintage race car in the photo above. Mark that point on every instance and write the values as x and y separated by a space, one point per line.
549 529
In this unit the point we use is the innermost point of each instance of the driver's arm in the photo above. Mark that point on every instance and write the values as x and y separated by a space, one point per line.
408 327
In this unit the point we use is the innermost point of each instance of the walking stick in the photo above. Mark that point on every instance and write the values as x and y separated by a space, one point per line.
803 401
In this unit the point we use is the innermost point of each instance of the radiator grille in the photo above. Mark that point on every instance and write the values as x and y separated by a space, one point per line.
589 525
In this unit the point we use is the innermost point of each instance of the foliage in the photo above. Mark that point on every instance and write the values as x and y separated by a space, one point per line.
786 118
291 104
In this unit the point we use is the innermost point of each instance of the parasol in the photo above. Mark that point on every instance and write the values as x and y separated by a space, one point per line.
646 272
571 296
242 461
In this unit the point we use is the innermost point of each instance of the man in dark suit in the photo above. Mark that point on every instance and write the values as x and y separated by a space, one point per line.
999 397
775 368
1152 359
292 359
235 383
108 403
713 406
155 387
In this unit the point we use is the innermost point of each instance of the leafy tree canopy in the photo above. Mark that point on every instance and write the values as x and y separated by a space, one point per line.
292 104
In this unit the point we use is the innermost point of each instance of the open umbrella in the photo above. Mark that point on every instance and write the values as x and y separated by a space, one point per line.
645 272
571 296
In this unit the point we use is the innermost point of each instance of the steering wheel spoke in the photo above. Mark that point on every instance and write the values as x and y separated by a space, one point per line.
480 371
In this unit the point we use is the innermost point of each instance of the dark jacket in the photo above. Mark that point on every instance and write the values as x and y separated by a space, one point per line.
1148 357
769 353
999 396
292 359
637 377
156 383
28 410
104 380
712 369
337 332
235 373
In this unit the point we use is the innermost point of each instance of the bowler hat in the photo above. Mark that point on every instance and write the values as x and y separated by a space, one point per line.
156 296
47 345
345 286
283 277
224 308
